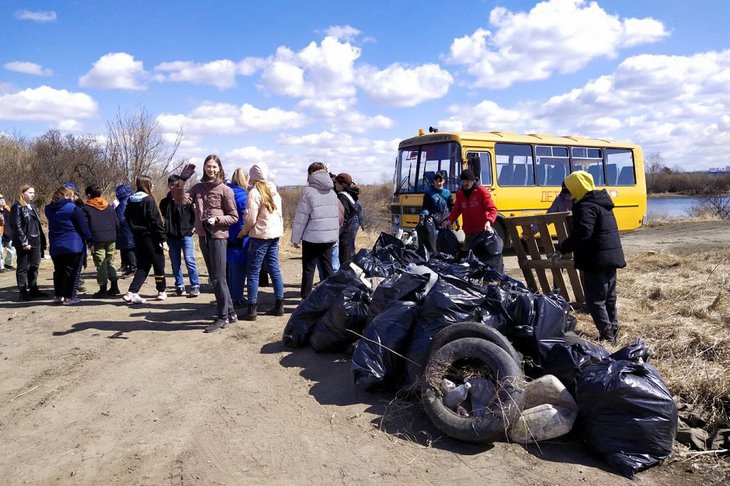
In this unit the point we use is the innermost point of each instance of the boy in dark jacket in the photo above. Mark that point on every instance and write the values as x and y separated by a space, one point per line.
125 240
104 227
597 252
179 225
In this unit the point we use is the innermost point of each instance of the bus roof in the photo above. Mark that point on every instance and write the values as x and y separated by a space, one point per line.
511 137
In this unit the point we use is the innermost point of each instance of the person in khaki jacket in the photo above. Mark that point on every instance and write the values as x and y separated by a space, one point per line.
264 225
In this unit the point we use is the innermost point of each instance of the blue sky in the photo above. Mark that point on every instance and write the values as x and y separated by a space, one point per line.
287 83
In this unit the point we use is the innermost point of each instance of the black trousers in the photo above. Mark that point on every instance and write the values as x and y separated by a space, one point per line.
313 253
129 259
26 268
149 255
214 255
600 290
65 273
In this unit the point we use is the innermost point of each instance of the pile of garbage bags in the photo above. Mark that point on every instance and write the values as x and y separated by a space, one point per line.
417 318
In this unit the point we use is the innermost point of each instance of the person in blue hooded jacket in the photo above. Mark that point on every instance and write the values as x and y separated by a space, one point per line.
437 201
68 234
236 253
125 240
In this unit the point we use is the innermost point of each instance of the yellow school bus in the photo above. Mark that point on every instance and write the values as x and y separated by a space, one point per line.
524 173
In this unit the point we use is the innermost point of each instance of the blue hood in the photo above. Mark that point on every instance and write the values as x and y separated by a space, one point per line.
123 191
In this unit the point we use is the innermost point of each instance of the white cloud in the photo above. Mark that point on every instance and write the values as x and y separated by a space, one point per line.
27 68
343 32
674 104
116 70
398 85
47 104
223 118
221 73
556 36
36 16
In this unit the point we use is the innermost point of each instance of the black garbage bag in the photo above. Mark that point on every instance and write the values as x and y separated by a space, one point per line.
427 233
564 357
386 242
638 351
400 286
374 364
534 317
373 265
487 246
309 311
626 414
447 242
332 333
449 301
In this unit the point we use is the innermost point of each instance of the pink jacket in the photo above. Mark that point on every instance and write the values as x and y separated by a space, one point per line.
210 199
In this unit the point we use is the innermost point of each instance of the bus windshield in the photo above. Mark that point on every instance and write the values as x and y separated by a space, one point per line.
416 166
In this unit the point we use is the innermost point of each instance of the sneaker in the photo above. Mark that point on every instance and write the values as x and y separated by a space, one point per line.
219 323
232 319
10 267
194 291
161 296
72 301
57 299
180 291
134 298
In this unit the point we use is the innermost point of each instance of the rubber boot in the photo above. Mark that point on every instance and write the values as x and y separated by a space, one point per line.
102 292
114 289
250 315
277 310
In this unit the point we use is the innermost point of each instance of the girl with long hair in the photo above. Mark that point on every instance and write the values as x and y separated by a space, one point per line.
29 242
148 230
264 225
215 212
236 254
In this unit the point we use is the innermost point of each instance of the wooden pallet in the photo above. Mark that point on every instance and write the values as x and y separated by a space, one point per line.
532 254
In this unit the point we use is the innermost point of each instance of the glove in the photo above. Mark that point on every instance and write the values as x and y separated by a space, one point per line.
488 227
187 172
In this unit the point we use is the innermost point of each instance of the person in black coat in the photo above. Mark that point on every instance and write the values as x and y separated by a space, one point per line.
29 242
348 194
597 252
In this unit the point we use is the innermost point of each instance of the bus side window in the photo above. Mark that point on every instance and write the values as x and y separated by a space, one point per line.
626 177
597 173
519 176
611 174
505 175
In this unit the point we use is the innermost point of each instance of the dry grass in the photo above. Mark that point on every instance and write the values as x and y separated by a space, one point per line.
680 305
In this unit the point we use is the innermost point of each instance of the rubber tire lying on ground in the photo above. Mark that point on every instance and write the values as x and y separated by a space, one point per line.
506 406
476 330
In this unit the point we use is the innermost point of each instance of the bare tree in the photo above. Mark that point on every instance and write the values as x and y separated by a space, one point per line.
136 145
654 166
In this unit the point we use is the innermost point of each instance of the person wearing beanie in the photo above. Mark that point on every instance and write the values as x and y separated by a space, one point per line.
125 240
348 193
104 226
264 225
597 251
475 206
215 213
316 225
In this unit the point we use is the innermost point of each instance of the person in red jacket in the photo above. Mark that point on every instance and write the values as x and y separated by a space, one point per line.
474 204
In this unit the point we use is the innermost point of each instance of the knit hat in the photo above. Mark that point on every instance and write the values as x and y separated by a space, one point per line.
467 175
257 173
344 178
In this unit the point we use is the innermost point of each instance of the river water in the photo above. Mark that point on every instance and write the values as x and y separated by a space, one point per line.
670 207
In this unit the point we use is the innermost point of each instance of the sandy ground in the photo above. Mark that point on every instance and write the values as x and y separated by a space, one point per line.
106 393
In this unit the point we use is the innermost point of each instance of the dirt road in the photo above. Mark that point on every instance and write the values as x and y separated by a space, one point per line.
106 393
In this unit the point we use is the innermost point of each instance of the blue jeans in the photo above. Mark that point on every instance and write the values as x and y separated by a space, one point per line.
259 251
185 246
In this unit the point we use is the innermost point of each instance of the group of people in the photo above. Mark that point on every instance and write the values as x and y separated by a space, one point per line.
238 223
594 239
